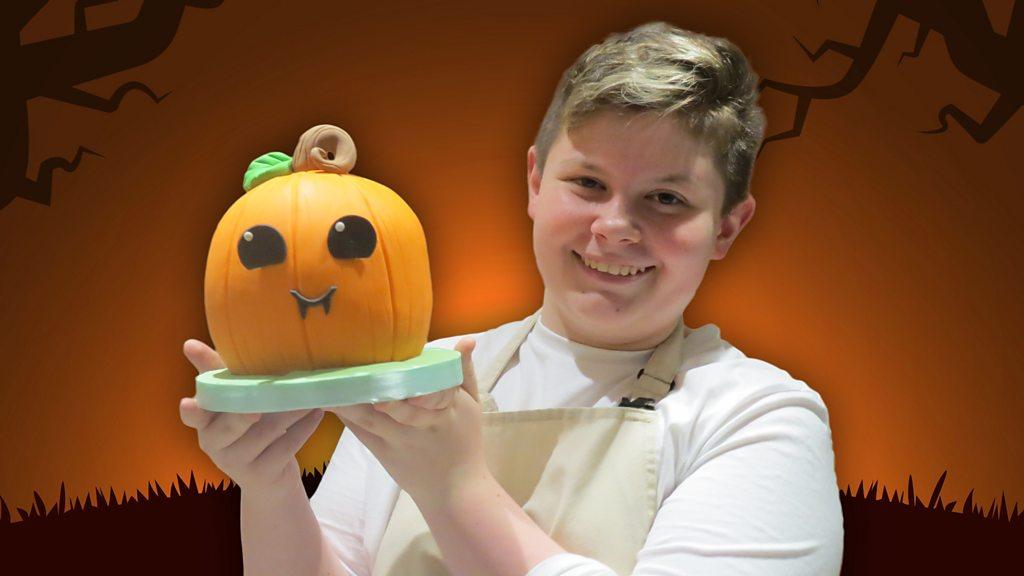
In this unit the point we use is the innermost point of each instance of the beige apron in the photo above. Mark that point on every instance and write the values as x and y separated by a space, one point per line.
587 476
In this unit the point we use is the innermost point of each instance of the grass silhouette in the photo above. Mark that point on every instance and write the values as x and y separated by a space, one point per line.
188 530
193 530
897 535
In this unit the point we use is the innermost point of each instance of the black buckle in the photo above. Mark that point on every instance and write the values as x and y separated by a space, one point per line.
644 403
671 385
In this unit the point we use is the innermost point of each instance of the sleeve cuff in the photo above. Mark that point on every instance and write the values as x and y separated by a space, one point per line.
568 564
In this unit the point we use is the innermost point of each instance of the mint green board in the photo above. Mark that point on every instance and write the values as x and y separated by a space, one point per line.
434 370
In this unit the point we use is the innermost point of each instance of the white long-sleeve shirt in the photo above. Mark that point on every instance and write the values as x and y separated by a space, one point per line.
747 480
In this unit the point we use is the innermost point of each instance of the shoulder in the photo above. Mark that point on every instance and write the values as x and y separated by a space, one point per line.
720 377
720 392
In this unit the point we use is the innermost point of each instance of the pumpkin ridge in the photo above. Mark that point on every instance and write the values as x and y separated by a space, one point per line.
383 199
246 365
295 189
387 265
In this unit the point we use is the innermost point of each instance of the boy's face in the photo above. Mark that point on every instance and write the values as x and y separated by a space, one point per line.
629 189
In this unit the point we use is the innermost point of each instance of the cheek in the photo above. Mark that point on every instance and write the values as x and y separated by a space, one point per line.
695 237
558 215
685 250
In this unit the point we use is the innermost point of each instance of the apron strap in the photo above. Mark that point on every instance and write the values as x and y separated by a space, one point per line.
657 378
488 378
654 381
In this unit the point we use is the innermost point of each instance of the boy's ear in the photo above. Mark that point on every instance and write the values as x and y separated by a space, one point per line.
532 179
731 226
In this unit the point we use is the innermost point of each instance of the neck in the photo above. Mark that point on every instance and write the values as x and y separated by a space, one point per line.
638 335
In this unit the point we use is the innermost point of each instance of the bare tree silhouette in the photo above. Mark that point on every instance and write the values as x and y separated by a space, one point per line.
52 68
976 50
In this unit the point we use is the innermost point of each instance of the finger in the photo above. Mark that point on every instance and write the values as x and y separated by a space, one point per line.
265 432
292 440
403 412
373 442
369 419
192 415
435 401
225 429
202 357
465 348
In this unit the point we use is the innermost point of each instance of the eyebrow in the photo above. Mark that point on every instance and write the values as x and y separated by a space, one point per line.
675 179
678 178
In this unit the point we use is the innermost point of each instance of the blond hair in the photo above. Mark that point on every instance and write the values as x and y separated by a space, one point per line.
703 80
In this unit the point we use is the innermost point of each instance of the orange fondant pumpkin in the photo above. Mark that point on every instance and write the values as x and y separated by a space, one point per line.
317 268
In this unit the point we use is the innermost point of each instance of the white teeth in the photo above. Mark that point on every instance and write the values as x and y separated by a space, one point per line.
614 269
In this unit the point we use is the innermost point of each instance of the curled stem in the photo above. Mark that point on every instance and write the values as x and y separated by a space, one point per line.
324 147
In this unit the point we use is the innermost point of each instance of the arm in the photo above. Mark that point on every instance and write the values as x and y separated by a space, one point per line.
280 535
339 505
760 497
278 531
481 530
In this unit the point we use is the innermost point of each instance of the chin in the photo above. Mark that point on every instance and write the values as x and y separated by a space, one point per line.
597 309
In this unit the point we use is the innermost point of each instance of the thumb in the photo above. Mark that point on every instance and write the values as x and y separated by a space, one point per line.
192 415
465 348
202 357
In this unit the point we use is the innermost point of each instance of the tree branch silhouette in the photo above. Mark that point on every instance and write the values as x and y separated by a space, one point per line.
41 191
53 68
977 51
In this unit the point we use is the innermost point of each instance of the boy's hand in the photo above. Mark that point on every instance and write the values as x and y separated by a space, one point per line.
256 450
431 445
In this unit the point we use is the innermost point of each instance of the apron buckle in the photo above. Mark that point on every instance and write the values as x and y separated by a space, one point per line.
671 385
645 403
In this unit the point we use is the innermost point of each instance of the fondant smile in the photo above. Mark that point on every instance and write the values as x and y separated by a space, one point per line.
324 300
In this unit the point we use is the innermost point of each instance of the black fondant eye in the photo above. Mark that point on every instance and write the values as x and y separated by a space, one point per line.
351 237
261 246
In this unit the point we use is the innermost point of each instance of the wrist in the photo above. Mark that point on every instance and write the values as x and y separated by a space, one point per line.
274 493
466 485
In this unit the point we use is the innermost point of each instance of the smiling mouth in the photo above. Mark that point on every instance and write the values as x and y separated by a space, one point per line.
640 271
305 303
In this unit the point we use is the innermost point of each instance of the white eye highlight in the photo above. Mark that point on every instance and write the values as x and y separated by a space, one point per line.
339 226
247 235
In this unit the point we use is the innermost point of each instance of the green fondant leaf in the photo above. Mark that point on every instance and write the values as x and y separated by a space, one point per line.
266 167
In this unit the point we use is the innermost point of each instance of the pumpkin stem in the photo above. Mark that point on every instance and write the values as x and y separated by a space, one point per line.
326 148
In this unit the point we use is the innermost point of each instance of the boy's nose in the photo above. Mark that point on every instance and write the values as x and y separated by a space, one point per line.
615 225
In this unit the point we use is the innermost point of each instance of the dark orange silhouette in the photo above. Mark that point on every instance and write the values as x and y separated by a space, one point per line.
52 68
976 50
196 531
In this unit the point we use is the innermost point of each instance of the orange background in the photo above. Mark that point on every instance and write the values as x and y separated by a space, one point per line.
883 266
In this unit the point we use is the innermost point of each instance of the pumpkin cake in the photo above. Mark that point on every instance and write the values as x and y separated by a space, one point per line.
317 288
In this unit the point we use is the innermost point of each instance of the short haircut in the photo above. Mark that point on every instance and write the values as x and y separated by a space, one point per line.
704 81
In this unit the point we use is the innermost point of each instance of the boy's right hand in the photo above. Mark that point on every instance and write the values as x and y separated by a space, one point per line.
256 450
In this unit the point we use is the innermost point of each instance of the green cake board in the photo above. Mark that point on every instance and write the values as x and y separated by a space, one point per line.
434 370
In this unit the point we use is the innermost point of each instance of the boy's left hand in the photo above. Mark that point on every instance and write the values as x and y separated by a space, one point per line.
431 445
